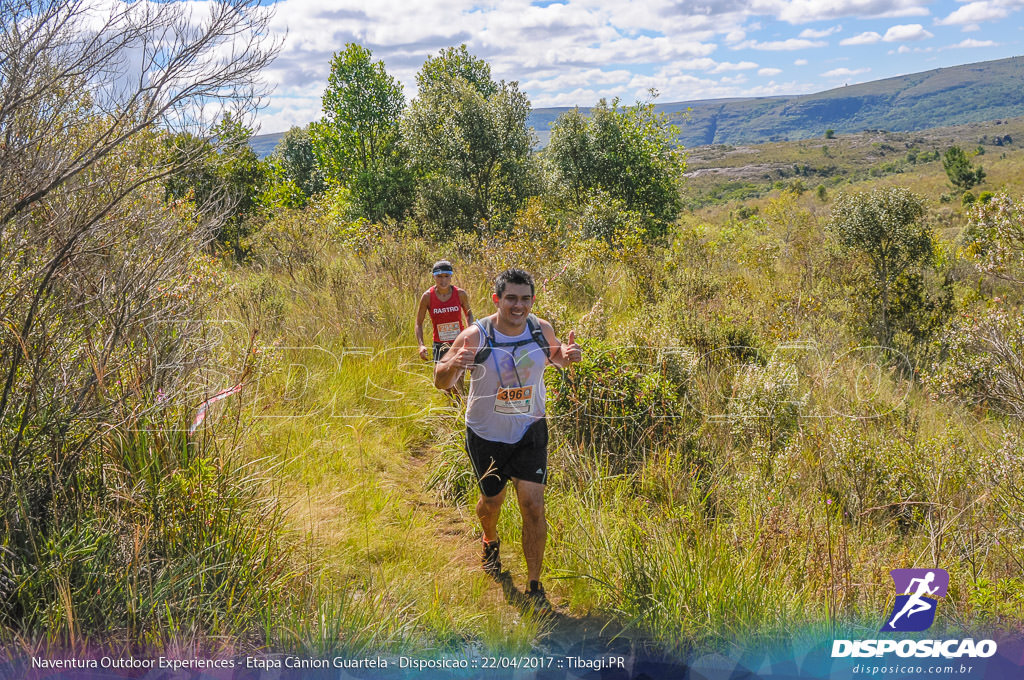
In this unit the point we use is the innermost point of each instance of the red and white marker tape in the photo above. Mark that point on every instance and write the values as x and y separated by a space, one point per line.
204 407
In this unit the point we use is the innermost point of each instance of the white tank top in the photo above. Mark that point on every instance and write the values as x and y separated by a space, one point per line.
506 391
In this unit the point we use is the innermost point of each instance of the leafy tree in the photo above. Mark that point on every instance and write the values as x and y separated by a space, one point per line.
279 190
468 140
886 227
625 152
357 141
457 62
830 134
572 155
297 161
225 179
962 174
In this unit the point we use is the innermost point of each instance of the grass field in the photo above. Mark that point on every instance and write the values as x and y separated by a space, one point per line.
699 494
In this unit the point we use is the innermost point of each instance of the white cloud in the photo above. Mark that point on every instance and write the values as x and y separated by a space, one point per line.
806 11
575 79
971 42
975 12
906 32
578 97
844 72
823 33
735 36
779 45
737 79
865 38
800 62
730 66
294 111
770 72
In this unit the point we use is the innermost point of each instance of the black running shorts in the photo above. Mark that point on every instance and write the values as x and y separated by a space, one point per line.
440 349
496 462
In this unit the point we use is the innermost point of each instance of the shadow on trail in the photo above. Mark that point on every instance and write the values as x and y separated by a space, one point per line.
600 648
589 637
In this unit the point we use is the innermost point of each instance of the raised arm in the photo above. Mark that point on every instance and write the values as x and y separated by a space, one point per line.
460 357
561 355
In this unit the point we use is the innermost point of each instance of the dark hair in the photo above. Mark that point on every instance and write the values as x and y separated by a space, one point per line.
517 276
442 267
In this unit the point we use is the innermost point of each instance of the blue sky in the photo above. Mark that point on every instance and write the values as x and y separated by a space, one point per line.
573 52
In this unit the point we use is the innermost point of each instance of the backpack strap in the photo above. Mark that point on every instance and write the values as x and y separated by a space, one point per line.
537 333
487 330
486 327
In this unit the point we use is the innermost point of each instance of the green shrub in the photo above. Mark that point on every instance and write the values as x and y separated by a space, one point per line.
863 481
604 217
765 408
980 365
618 404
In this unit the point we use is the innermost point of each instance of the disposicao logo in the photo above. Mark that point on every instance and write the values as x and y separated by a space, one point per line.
917 596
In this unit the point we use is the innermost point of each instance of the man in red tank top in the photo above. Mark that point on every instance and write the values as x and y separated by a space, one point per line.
446 305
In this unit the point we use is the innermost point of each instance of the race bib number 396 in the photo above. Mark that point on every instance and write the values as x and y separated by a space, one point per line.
513 399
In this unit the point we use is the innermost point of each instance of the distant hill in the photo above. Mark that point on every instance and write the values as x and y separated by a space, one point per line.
263 145
954 95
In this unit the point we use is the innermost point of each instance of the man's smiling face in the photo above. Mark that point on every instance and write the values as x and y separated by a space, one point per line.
515 303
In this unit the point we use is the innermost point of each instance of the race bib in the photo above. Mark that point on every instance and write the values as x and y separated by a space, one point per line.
512 400
448 331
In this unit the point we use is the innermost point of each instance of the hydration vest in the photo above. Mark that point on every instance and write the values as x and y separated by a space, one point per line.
487 327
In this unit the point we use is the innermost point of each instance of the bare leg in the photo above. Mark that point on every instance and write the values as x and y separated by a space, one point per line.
488 509
535 527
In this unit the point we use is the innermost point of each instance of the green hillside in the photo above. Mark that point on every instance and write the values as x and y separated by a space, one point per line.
942 97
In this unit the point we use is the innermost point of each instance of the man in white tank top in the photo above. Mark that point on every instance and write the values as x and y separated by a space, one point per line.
506 429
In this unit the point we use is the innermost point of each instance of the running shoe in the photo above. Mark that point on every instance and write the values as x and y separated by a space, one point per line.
491 561
538 599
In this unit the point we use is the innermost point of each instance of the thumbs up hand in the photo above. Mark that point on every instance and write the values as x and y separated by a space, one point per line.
570 350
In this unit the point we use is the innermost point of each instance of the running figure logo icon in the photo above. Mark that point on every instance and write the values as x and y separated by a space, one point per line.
917 595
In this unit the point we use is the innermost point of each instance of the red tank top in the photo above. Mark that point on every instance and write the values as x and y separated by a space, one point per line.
446 315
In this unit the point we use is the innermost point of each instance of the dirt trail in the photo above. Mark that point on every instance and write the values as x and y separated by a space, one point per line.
434 547
565 632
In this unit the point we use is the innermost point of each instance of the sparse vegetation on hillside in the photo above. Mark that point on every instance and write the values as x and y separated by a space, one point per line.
721 173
